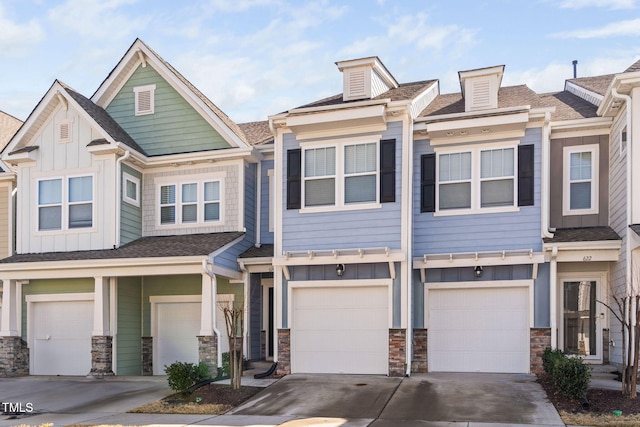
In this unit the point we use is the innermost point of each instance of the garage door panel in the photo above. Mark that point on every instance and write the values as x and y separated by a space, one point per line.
479 330
340 330
178 324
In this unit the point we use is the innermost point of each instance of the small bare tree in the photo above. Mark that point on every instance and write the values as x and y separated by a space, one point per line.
234 320
627 312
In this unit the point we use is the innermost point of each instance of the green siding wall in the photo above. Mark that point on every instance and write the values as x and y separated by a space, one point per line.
130 215
52 286
129 342
175 126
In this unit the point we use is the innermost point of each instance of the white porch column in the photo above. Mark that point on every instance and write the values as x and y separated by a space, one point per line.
101 303
553 297
9 321
208 305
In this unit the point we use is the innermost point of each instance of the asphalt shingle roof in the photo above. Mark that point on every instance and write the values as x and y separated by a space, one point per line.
597 84
256 133
145 247
568 106
584 234
264 251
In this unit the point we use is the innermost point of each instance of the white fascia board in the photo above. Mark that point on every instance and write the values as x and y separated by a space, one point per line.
473 114
23 157
335 122
590 245
591 123
623 83
201 157
478 122
583 93
468 260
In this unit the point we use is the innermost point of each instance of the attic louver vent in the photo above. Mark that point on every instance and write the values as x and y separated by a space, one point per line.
144 99
64 132
481 94
357 83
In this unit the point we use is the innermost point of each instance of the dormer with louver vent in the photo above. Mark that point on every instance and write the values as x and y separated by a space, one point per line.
480 87
365 78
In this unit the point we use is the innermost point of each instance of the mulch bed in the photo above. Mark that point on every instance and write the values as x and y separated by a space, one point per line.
223 394
600 401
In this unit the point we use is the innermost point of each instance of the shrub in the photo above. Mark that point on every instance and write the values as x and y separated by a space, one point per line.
182 375
569 374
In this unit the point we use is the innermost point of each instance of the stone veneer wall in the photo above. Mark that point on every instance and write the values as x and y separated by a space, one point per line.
101 355
284 352
147 355
540 338
397 352
419 362
14 357
208 353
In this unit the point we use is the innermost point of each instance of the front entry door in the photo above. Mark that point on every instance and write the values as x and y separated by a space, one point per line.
582 325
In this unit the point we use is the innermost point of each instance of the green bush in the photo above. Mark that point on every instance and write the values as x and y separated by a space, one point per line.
569 374
182 375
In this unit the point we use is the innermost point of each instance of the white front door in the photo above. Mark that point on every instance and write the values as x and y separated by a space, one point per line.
582 319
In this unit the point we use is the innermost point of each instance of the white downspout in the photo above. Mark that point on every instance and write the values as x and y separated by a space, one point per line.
116 240
258 204
214 296
546 156
627 100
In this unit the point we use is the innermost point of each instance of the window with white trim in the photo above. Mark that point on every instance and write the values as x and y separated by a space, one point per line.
623 141
477 180
580 186
65 203
190 202
340 175
131 189
144 99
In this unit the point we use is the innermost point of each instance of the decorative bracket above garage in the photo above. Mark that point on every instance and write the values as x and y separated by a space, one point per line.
478 259
340 256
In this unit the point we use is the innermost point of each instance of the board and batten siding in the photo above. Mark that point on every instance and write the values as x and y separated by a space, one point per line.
129 334
556 218
230 200
174 127
341 229
62 160
130 215
5 226
478 232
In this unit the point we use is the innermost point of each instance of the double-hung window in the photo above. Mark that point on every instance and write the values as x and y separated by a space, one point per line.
190 202
497 178
360 173
320 176
455 180
65 203
580 186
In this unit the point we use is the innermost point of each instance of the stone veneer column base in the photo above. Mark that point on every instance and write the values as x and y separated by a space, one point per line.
208 353
101 356
147 356
605 346
14 357
263 345
540 338
397 352
284 352
419 362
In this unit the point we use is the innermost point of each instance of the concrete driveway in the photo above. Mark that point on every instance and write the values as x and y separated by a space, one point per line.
420 400
77 399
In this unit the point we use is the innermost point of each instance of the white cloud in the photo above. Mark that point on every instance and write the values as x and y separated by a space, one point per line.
240 5
15 37
611 4
98 19
613 29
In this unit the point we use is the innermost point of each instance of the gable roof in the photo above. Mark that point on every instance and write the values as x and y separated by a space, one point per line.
568 106
140 52
633 67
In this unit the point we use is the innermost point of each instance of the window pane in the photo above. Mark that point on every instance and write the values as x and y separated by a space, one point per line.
320 162
189 193
455 166
360 158
455 196
50 191
80 215
81 189
497 163
580 166
167 194
212 211
496 193
320 192
168 215
50 218
189 213
131 189
360 189
580 197
211 191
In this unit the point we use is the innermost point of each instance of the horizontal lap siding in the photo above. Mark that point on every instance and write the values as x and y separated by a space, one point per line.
129 338
478 232
266 236
377 227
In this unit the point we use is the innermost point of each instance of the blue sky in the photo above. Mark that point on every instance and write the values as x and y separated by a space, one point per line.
253 58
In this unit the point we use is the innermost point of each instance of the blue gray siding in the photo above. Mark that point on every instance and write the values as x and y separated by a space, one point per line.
345 229
478 232
266 236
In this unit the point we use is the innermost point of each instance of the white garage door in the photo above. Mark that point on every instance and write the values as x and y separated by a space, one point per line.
178 325
61 341
479 330
340 330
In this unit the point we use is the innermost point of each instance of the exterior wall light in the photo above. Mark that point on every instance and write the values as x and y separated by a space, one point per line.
478 270
339 269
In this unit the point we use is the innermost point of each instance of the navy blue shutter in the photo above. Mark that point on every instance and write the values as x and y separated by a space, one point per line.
525 175
387 171
428 183
294 179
